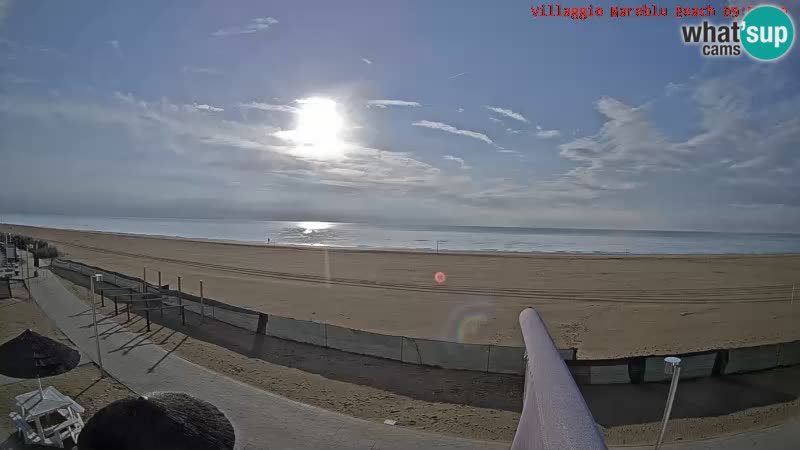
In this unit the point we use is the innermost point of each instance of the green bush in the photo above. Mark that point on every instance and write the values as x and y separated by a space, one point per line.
42 249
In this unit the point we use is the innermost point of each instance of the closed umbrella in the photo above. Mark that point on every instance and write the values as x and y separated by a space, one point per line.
158 421
31 355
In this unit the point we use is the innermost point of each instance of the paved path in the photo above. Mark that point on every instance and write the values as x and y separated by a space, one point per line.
262 420
782 437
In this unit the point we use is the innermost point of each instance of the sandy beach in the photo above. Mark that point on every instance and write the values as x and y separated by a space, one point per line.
605 306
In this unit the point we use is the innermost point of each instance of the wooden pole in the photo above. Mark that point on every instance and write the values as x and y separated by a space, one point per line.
147 315
180 302
159 279
102 298
144 280
183 315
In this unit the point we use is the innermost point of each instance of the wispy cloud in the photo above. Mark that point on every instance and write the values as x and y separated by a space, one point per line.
495 119
457 75
461 110
203 70
508 113
546 134
453 130
750 163
205 107
460 161
256 25
16 79
268 107
30 48
512 131
367 61
385 103
117 49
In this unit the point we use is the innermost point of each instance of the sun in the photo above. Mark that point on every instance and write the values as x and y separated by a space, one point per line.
318 131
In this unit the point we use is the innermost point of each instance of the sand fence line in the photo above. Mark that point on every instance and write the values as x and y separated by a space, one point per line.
451 355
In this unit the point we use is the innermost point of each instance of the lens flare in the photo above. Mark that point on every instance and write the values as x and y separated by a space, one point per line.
467 322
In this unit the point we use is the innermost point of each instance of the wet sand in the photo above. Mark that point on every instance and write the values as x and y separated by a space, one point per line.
605 306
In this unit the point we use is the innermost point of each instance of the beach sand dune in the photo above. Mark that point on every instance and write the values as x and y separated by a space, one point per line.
605 306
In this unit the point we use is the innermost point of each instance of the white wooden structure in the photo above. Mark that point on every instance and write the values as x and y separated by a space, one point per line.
64 412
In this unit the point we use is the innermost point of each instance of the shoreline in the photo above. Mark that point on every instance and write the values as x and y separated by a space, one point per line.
421 250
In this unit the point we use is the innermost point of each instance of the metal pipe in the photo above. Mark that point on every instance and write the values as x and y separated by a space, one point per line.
202 303
94 319
554 414
671 365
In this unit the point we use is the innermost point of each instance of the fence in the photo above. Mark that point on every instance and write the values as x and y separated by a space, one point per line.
456 355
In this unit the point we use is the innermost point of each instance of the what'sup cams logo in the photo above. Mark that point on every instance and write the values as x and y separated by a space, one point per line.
766 33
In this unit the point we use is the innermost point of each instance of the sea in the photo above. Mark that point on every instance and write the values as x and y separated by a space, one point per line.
433 237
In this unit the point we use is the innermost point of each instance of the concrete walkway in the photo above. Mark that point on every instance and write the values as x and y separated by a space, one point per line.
782 437
262 420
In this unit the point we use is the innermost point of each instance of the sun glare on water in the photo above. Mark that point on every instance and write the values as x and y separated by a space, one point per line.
319 126
310 227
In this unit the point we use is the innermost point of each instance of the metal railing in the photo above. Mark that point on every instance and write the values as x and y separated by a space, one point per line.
554 414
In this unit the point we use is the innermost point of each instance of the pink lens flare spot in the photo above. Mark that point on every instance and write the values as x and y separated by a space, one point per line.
440 277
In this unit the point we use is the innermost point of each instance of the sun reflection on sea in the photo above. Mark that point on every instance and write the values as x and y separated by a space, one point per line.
310 227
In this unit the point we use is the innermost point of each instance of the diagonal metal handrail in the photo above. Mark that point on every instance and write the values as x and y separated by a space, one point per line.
554 413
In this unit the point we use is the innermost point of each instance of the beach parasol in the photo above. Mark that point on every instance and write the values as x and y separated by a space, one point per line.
158 421
31 355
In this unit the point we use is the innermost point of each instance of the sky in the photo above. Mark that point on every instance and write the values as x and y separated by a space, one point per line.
468 113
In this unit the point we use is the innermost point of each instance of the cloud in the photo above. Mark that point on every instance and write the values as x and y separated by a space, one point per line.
546 134
117 49
457 75
495 119
204 140
16 79
453 130
672 88
743 151
268 107
508 113
205 107
385 103
30 49
461 110
201 70
750 163
460 161
255 26
367 61
512 131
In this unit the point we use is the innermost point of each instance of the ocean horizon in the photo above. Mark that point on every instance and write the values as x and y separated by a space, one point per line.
431 237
